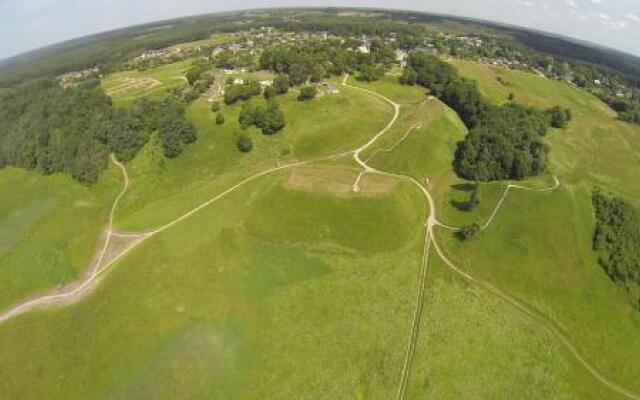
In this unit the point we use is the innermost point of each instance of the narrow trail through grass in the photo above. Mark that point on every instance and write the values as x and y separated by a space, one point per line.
97 270
76 291
433 222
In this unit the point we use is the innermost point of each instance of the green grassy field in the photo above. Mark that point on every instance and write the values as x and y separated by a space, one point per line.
389 87
473 345
539 249
293 286
273 291
168 188
50 228
127 86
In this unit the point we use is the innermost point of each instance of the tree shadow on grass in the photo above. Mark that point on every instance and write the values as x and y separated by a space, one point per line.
463 187
468 205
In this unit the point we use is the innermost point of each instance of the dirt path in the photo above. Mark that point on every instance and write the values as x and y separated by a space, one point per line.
432 222
75 291
83 287
549 325
506 192
356 155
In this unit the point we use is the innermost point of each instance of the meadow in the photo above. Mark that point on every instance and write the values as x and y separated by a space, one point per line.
273 290
50 229
539 247
473 345
329 125
294 286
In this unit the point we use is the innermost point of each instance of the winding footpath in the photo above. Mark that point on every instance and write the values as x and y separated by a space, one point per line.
506 192
432 222
100 265
77 290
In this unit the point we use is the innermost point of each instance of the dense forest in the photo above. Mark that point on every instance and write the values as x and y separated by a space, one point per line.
616 238
504 142
52 129
316 59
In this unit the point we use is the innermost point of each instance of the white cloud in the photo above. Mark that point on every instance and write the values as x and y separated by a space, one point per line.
596 1
617 25
604 16
30 6
572 3
633 17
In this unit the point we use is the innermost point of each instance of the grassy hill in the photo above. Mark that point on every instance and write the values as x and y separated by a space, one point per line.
539 249
254 290
294 286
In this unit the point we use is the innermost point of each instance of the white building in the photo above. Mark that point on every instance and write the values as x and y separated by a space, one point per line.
401 56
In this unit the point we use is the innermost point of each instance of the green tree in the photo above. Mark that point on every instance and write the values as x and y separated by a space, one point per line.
616 239
308 92
220 118
467 232
370 73
244 143
281 83
408 77
318 72
244 91
269 92
559 117
247 116
194 73
297 73
215 106
273 119
270 119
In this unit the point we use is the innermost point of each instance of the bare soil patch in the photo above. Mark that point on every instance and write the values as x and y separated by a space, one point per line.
336 181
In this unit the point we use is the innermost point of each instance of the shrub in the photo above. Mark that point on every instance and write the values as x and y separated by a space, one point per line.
244 143
467 232
307 93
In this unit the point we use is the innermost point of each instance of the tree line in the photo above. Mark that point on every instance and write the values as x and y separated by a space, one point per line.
616 239
315 60
504 142
51 129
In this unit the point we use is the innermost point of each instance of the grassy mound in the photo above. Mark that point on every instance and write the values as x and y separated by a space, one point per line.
226 305
168 188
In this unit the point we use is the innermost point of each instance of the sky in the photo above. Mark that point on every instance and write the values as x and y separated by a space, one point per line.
29 24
